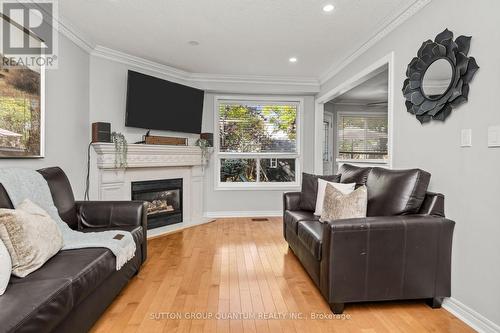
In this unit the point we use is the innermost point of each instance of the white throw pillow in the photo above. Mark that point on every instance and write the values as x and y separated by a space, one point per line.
343 188
30 235
5 267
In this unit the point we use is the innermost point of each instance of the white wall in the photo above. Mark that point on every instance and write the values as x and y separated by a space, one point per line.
66 117
468 177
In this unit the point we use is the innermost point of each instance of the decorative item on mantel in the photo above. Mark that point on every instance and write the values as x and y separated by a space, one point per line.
438 77
121 149
205 147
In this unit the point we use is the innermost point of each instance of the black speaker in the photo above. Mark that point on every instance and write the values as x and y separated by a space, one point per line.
101 132
209 137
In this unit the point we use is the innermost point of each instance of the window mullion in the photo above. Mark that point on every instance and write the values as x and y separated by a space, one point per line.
365 145
258 169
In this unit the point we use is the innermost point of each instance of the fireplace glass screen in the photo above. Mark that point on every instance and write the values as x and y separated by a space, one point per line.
164 199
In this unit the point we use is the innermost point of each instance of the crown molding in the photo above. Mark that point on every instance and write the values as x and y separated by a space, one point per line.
357 103
386 27
199 78
255 79
307 84
138 62
63 26
76 36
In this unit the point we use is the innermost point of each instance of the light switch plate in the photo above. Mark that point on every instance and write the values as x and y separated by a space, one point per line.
466 138
494 136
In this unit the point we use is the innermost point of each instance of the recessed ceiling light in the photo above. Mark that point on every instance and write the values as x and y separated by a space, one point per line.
292 59
194 43
328 8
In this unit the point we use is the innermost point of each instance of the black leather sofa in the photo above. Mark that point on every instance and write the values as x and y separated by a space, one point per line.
401 250
72 289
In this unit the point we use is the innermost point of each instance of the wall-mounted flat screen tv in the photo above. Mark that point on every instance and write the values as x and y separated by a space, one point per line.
153 103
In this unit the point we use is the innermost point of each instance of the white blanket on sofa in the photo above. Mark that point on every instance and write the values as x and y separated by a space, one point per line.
23 184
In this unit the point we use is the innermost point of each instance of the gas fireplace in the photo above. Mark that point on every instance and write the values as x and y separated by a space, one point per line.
164 198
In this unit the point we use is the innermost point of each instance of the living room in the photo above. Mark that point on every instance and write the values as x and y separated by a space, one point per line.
249 166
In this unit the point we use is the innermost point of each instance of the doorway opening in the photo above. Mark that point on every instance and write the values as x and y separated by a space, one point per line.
357 120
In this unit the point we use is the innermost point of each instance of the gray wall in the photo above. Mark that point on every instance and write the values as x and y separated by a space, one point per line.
467 176
66 117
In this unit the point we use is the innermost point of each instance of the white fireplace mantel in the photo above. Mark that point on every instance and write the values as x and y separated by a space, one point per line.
149 162
146 156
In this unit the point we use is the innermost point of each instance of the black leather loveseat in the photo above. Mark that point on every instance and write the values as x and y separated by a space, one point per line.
72 289
401 250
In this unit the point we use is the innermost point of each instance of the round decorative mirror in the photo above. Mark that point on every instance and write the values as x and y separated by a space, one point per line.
437 79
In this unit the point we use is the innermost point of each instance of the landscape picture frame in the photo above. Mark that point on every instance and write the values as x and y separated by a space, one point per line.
22 104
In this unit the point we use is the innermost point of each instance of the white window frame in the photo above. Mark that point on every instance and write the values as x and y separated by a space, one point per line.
341 161
289 186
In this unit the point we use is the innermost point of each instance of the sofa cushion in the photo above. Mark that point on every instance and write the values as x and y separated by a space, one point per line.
353 174
309 190
35 305
84 268
310 233
293 217
396 192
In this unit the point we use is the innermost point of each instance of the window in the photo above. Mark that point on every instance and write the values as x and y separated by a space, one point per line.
362 137
257 143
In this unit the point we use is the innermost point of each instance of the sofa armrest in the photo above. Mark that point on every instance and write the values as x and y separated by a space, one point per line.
387 257
108 214
291 201
114 214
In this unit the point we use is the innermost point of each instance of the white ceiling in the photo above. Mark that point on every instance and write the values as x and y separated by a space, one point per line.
373 90
237 37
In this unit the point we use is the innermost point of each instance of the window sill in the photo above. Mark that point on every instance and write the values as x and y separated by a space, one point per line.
379 162
255 187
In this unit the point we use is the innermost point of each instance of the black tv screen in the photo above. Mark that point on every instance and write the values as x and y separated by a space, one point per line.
153 103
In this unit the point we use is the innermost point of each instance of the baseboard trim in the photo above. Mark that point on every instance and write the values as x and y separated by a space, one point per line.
207 218
170 229
227 214
472 318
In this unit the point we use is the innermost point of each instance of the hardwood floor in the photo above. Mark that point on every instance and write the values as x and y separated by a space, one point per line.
238 272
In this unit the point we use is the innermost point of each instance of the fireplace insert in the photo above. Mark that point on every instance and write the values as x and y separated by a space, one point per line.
164 199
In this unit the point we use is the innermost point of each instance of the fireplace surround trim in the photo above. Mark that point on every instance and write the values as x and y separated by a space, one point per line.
150 162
